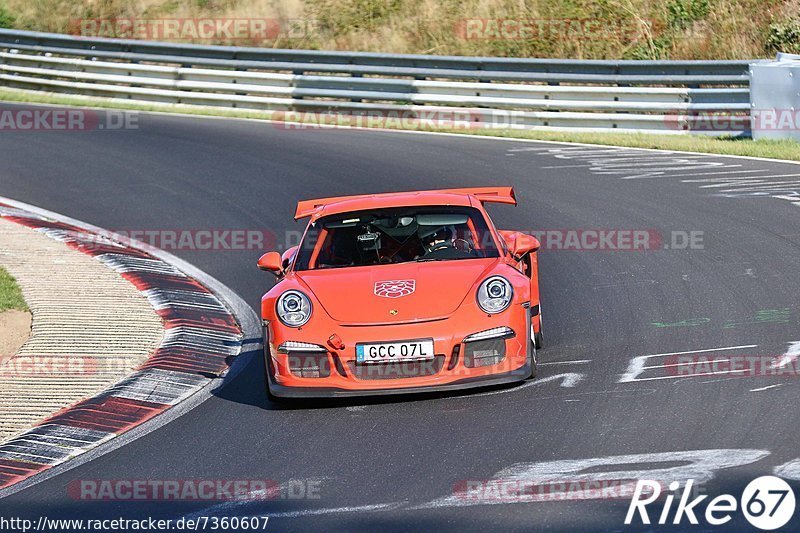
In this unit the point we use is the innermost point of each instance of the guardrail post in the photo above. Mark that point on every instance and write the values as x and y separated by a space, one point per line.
775 98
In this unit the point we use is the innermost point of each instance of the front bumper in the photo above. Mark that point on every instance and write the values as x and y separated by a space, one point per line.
451 372
468 383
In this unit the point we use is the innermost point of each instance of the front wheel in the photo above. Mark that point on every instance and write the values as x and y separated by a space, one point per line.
538 338
533 365
534 368
266 359
266 367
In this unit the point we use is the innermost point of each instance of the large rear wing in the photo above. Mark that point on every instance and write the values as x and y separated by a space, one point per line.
500 195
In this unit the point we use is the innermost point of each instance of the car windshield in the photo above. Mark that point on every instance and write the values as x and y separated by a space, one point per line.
396 235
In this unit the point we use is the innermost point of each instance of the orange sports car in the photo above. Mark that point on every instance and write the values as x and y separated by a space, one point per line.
401 292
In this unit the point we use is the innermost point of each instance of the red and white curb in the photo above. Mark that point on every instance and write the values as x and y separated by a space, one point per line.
202 336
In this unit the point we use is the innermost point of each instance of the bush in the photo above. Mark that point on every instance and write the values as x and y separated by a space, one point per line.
784 37
682 13
7 20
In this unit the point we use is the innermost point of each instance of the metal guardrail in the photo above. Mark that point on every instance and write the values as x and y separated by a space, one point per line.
645 96
775 98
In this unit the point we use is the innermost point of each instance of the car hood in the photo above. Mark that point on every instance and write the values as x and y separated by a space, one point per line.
407 292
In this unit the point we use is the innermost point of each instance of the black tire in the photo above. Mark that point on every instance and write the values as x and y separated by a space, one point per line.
538 338
534 365
267 367
534 368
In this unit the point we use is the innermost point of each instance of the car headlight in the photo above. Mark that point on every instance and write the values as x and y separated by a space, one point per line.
294 308
494 294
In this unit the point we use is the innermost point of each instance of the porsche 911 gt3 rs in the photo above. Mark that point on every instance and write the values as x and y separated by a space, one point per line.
401 292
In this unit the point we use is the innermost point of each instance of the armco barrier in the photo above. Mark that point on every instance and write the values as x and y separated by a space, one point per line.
775 98
644 96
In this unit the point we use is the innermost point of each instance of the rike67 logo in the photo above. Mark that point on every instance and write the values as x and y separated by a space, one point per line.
767 503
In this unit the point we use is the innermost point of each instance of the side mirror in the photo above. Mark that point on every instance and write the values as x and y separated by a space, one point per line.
525 244
288 257
520 244
271 262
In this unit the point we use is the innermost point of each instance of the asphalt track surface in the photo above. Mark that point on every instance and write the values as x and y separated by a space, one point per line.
391 463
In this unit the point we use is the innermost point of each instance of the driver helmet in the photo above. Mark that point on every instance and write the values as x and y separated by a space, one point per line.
445 234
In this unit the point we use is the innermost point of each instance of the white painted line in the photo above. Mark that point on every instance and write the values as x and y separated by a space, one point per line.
643 170
778 186
651 173
715 173
752 180
578 148
568 380
699 374
636 366
765 388
790 470
751 184
539 149
666 162
735 181
578 362
337 510
631 159
790 356
549 481
706 350
790 198
651 161
576 152
683 364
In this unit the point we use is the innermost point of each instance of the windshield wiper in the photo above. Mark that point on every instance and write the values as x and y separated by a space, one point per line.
427 259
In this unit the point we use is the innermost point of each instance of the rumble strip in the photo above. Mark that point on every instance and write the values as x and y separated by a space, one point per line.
200 338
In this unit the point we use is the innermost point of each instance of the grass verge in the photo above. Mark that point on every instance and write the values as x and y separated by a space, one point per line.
10 295
583 29
785 149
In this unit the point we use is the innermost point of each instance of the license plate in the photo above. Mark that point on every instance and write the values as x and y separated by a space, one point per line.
383 352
